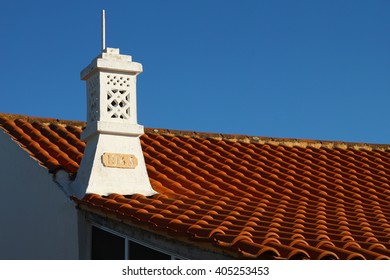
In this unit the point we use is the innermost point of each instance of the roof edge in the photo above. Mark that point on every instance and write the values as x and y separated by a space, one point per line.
43 120
289 142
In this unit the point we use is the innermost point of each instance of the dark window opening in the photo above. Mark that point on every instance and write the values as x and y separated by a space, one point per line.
140 252
107 246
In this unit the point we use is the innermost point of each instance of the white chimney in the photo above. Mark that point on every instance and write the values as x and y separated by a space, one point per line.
113 161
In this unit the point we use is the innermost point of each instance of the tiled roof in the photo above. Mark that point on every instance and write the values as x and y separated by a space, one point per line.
252 196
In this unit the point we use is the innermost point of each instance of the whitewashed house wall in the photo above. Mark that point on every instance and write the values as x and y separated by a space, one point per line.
37 219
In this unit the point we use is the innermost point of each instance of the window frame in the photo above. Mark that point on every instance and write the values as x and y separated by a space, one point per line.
127 243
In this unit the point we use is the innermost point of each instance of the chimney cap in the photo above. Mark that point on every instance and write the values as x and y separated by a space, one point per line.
112 61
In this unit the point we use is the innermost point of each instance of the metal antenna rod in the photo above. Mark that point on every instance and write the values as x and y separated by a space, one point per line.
103 30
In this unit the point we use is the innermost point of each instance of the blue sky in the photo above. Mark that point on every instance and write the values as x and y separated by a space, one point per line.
292 69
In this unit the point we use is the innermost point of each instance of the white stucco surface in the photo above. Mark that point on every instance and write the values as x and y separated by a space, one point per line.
112 129
94 177
37 219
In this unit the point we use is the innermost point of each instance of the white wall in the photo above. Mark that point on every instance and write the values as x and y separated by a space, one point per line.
37 220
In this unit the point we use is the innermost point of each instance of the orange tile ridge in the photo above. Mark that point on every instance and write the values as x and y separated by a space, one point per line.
289 142
42 120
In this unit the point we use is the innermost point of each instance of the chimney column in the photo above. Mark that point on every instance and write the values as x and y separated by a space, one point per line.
113 161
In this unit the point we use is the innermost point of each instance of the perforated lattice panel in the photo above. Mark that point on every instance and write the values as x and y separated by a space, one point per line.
118 104
118 97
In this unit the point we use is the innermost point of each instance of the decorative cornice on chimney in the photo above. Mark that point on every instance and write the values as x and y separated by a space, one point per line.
113 161
111 60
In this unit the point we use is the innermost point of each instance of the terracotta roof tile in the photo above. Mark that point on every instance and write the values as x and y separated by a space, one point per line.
255 196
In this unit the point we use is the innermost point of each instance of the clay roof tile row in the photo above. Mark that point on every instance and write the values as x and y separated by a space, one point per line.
253 196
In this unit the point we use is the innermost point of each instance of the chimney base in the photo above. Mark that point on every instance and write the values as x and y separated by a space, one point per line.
112 164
